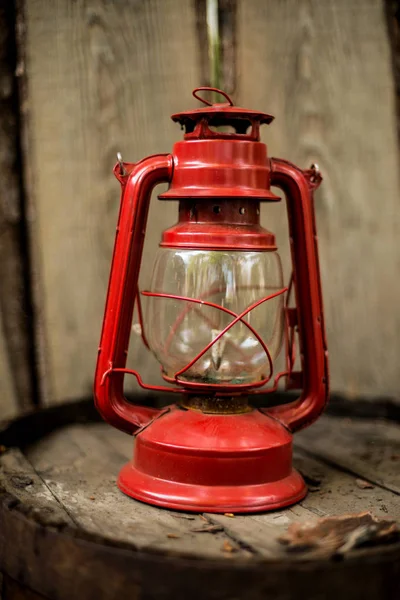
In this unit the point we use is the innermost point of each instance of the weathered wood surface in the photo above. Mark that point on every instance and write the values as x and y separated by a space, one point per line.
369 448
12 590
75 535
64 484
20 478
16 367
324 70
79 466
393 22
105 76
8 404
336 493
102 77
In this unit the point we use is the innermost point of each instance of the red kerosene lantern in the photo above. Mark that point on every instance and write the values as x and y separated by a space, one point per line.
217 315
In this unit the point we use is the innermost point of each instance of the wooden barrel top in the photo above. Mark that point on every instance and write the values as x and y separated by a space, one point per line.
66 532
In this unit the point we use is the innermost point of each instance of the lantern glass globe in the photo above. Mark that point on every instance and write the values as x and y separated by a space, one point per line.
177 330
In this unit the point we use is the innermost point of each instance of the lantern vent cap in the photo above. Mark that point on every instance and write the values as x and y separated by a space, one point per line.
202 123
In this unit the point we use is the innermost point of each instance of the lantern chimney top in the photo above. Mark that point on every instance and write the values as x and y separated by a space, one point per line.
221 120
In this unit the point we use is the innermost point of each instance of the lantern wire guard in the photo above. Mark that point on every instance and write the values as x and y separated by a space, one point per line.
289 331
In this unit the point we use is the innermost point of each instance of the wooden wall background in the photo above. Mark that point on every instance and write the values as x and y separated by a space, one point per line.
93 77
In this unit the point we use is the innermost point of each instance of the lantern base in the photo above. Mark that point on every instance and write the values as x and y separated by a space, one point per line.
193 461
213 499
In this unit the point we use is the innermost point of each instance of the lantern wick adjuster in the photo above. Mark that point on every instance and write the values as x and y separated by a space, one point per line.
122 169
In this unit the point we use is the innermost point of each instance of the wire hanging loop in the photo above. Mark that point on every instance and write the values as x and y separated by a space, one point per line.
211 89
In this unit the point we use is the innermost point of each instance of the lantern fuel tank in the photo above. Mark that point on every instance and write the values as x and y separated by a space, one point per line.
217 316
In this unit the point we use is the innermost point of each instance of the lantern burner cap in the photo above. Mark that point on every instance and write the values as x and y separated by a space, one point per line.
203 123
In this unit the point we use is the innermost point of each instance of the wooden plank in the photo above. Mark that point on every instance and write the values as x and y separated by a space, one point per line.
8 404
340 493
102 77
63 563
61 566
12 590
80 468
337 494
393 21
365 447
19 478
323 69
16 364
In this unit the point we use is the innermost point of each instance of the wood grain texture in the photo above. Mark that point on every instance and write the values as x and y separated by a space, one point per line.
323 69
393 24
375 455
12 590
97 549
16 368
8 404
337 493
19 478
102 77
79 465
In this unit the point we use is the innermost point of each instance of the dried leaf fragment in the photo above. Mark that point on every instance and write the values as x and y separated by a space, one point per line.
338 535
173 536
364 485
228 547
210 529
229 515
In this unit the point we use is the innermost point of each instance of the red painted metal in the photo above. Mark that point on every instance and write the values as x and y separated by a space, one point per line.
137 183
198 123
298 187
184 458
219 224
189 460
220 168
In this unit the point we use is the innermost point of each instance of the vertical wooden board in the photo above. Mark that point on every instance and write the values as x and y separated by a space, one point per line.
102 77
8 402
323 69
16 356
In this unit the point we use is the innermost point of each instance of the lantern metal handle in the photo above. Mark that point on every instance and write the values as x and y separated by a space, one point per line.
137 181
298 187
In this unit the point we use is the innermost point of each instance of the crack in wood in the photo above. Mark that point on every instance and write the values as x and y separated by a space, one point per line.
241 543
